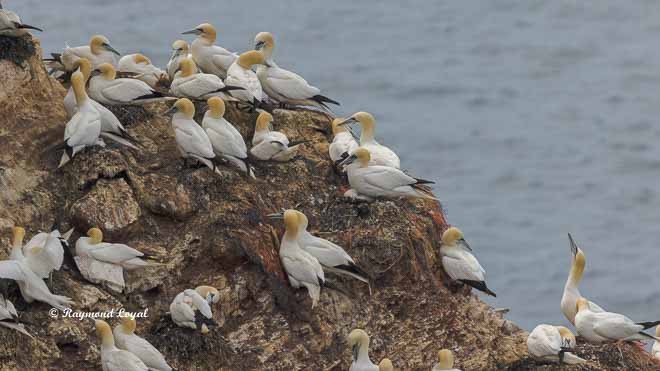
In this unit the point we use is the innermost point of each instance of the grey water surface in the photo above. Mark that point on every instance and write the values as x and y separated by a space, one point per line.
536 118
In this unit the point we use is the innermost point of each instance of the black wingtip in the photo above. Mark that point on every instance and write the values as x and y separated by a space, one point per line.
27 26
648 325
323 99
153 95
353 268
424 181
481 286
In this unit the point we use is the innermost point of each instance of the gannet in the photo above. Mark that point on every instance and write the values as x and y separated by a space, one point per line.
11 25
240 74
571 291
358 340
98 52
445 361
106 89
188 84
190 309
113 358
381 181
125 339
552 343
191 139
32 286
180 51
301 267
114 253
332 257
343 143
380 155
269 144
282 85
210 58
209 293
46 252
459 263
84 128
655 350
9 317
111 128
600 327
227 142
385 365
141 65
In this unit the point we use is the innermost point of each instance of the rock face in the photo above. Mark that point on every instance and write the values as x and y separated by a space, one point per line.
204 228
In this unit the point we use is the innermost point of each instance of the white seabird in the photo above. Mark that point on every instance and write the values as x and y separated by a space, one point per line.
180 51
209 293
459 263
98 51
113 358
141 65
11 25
32 286
380 155
269 144
189 84
46 252
282 85
9 317
191 139
445 361
93 247
358 340
227 142
111 128
240 74
126 339
571 292
105 88
343 144
302 269
381 181
190 309
655 350
601 327
552 343
210 58
84 128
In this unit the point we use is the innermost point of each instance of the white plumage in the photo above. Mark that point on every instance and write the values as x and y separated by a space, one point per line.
546 342
98 51
459 263
113 253
9 317
189 309
45 252
343 144
269 144
11 25
126 339
141 65
358 340
241 75
210 58
191 139
106 89
600 327
113 358
188 84
571 291
180 51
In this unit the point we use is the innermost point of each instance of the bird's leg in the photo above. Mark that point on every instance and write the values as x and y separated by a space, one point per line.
50 280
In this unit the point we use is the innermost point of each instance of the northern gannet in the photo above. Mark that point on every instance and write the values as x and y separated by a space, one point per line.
655 350
601 327
240 74
190 309
343 143
445 361
227 142
189 84
180 51
385 365
46 252
191 139
114 253
113 358
32 286
111 128
9 317
98 51
282 85
571 292
301 267
358 340
269 144
552 343
11 25
105 88
84 128
210 58
331 256
381 181
209 293
125 339
459 263
380 155
141 65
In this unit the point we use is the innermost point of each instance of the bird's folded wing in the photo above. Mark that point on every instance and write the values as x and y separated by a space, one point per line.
126 90
459 269
386 177
615 326
114 253
290 84
200 303
12 270
303 268
227 143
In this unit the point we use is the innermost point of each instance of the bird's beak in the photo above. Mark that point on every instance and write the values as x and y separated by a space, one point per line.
349 160
574 248
465 244
171 111
95 73
30 27
279 215
195 31
109 48
347 121
356 351
259 45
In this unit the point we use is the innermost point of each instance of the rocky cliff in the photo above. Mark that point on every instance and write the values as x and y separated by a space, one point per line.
209 229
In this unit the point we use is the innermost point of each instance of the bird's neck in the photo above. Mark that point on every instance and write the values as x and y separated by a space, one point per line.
574 277
367 135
